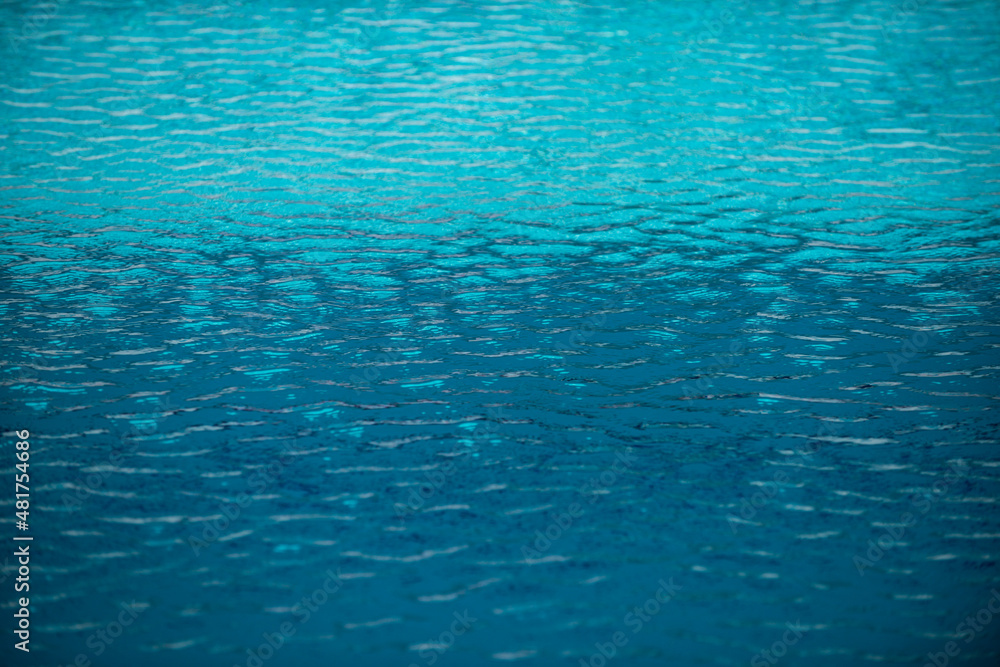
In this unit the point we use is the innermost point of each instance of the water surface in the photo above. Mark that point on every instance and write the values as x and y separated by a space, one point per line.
704 291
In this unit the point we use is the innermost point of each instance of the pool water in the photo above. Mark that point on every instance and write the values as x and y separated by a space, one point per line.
532 332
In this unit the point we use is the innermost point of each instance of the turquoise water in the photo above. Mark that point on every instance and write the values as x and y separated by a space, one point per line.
485 333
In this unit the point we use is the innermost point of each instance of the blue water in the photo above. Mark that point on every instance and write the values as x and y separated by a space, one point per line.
527 311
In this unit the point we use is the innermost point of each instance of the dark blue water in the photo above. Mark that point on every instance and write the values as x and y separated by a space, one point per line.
529 332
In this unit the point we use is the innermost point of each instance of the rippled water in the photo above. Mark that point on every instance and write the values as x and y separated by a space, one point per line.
705 291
